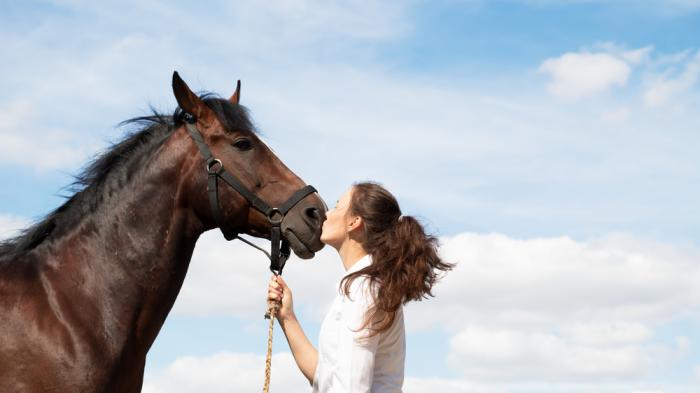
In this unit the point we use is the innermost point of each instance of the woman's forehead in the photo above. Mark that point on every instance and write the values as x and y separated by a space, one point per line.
345 198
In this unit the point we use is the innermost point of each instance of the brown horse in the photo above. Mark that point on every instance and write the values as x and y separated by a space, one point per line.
84 292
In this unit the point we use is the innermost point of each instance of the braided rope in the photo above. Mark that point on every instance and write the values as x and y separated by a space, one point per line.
271 311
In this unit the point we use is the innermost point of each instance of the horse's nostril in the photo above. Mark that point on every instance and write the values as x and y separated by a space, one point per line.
312 213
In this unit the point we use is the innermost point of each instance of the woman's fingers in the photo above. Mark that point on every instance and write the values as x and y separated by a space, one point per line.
280 281
274 286
273 298
277 290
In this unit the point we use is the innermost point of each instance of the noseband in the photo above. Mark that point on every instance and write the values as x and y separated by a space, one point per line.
279 247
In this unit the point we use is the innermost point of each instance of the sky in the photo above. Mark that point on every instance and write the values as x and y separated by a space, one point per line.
551 145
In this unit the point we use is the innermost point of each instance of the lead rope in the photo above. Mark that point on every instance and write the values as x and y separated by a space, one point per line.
270 314
271 311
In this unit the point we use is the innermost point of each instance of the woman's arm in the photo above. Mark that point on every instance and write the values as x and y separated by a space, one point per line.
304 352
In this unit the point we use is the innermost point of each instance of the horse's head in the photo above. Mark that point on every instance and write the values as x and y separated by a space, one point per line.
229 134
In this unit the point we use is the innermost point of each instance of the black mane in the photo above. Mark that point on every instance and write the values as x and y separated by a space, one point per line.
149 133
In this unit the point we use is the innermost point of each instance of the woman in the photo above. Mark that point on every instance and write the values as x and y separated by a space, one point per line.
389 260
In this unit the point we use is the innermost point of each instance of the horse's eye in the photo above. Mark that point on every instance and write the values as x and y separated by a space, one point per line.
243 144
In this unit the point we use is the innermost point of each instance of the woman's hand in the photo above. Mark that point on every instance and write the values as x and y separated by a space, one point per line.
304 352
276 290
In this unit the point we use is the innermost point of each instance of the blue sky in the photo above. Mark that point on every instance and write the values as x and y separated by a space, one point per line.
552 145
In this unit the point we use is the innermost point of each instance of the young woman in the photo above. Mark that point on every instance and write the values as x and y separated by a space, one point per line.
389 260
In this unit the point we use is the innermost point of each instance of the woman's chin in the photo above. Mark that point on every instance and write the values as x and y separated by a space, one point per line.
329 242
323 238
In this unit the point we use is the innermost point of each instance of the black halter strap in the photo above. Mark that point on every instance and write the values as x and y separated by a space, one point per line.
279 247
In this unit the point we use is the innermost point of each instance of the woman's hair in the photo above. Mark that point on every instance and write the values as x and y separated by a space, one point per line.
405 263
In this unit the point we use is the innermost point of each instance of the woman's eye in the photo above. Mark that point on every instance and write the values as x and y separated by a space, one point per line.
243 144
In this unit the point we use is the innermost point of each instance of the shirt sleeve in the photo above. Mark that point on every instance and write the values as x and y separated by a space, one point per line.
356 349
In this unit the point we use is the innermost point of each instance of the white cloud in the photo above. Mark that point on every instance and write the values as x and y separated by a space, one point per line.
662 88
506 354
576 75
630 56
559 278
31 146
637 56
226 372
11 225
598 69
557 309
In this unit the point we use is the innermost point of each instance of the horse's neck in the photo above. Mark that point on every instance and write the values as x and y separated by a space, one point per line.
138 245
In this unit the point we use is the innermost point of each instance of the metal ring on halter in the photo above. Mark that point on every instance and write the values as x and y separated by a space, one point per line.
275 221
212 163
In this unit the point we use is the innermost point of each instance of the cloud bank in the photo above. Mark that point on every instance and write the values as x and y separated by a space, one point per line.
528 310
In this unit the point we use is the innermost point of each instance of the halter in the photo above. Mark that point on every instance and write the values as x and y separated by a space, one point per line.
279 246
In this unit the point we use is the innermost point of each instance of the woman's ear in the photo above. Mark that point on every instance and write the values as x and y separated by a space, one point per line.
355 222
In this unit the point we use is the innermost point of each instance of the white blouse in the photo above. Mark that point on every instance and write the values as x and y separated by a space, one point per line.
348 361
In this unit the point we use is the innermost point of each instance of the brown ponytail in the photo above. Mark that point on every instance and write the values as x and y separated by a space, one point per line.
405 264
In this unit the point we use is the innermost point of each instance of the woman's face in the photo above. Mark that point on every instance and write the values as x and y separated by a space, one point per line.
335 228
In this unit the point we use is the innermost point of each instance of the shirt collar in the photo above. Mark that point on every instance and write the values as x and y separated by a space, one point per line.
360 264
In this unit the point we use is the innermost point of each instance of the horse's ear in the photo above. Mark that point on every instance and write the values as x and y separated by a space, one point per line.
236 94
188 101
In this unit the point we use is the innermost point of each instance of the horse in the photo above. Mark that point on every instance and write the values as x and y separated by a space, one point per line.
85 291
